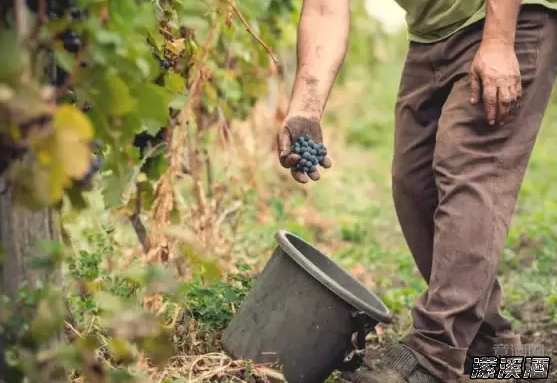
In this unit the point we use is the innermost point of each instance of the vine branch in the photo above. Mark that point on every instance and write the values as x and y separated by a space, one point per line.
41 18
251 31
21 16
137 224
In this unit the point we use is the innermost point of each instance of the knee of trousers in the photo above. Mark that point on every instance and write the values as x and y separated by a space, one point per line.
412 188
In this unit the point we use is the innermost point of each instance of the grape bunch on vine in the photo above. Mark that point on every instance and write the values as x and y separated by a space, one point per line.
112 93
124 74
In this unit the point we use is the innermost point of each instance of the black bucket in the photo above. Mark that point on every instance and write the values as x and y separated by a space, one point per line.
303 312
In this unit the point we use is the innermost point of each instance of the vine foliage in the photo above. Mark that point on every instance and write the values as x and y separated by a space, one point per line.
138 67
135 85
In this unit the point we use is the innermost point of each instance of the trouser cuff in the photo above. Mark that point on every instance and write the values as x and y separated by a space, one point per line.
439 359
485 345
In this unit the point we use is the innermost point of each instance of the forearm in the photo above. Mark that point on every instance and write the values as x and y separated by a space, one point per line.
500 23
322 42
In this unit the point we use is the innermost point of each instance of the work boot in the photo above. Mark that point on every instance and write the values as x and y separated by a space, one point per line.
468 365
397 365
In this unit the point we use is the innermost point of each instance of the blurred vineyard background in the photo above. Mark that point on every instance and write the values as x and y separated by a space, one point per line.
236 196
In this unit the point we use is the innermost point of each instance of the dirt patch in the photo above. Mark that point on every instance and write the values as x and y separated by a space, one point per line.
538 328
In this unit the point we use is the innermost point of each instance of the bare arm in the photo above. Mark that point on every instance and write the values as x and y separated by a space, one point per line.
322 43
500 22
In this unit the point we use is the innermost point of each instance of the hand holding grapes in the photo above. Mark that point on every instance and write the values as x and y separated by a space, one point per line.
301 149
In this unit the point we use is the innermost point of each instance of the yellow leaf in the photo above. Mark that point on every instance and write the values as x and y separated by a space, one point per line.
68 118
176 46
44 157
73 132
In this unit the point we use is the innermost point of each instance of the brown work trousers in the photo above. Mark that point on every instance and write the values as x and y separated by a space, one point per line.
455 184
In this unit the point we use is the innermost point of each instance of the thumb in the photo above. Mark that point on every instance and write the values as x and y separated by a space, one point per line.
283 141
474 86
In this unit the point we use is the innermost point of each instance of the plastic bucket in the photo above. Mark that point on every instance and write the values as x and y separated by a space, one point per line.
303 312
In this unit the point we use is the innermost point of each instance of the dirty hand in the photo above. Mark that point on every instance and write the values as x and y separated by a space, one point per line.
292 128
495 77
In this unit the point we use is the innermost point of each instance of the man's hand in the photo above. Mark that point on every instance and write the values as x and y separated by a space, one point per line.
495 74
322 43
292 128
495 78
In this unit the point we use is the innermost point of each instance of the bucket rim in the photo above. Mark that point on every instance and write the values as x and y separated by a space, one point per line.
384 316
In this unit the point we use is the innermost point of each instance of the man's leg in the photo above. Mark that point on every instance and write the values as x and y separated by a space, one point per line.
418 110
478 170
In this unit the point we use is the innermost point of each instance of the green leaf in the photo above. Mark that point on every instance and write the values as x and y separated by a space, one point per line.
178 102
112 95
118 185
121 350
109 303
108 37
49 319
65 60
11 53
174 82
159 348
253 8
152 103
161 280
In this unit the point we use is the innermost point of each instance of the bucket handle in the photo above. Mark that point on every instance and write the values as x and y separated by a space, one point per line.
354 358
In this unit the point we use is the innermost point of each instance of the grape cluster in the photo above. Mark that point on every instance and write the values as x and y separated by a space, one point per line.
58 8
165 64
311 152
70 39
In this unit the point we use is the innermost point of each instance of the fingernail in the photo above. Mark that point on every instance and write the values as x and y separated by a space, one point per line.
473 100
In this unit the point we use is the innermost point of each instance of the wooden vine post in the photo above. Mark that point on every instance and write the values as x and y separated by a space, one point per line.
21 229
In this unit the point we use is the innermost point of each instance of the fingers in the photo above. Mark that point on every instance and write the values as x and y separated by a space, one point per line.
299 176
498 99
490 102
302 178
475 86
315 176
518 88
326 163
283 143
506 100
289 160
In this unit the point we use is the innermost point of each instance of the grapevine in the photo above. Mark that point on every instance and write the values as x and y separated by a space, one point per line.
134 105
126 98
120 94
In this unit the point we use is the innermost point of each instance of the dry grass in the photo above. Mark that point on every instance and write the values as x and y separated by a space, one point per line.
216 367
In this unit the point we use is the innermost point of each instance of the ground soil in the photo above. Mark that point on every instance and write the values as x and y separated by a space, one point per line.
538 329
